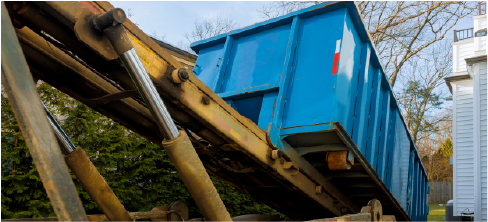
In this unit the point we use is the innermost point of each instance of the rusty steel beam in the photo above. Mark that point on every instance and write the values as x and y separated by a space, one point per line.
218 120
22 94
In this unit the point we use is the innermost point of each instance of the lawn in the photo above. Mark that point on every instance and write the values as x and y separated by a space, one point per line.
436 212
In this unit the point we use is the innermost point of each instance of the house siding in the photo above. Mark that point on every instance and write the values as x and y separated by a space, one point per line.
463 49
463 147
483 137
470 125
480 43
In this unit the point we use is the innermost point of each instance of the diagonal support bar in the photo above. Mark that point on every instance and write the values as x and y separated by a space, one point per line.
28 110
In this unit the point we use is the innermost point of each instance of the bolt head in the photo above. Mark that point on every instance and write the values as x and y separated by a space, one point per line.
183 75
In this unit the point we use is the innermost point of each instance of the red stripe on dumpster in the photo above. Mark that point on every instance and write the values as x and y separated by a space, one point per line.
336 62
336 57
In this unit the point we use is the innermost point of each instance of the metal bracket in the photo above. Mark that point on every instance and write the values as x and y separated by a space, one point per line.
85 31
293 166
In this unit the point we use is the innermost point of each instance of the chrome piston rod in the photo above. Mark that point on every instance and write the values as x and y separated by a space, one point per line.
146 88
62 138
110 23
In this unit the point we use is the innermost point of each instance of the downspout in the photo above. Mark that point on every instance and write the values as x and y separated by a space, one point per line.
469 66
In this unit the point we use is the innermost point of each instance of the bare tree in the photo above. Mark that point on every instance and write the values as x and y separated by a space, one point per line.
421 95
155 35
207 28
130 15
210 27
400 30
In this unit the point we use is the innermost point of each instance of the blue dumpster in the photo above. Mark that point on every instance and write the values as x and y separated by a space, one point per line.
311 72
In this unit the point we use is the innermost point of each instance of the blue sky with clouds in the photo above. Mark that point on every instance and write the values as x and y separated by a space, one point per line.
172 19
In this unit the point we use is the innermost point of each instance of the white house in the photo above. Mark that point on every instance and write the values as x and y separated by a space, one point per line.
468 87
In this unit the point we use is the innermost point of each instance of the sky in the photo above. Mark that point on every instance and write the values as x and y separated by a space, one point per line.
172 19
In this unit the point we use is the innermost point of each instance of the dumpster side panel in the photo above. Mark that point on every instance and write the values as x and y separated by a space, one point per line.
423 192
417 200
411 182
423 201
311 93
400 168
374 121
391 146
383 133
405 163
363 99
417 190
256 60
347 77
207 65
249 107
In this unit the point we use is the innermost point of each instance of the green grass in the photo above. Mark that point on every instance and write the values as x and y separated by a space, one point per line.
436 212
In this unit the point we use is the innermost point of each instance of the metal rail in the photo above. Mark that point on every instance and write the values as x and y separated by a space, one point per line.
463 34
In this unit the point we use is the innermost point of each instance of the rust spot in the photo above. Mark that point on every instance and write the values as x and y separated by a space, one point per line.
338 160
205 100
311 10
